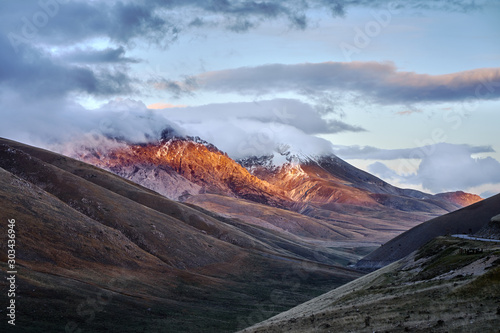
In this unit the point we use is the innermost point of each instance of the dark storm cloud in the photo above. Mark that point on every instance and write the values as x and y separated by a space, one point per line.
34 74
378 82
161 21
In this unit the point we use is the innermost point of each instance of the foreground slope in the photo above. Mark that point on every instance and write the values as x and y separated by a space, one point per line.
97 252
443 287
467 220
490 230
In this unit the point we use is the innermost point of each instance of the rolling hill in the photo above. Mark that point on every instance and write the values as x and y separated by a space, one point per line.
468 220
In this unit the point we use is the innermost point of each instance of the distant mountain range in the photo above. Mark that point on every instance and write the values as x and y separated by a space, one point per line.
353 204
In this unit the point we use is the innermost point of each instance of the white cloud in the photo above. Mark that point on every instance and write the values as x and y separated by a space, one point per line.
240 129
446 167
258 128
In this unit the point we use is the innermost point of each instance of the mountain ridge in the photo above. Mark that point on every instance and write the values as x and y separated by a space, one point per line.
260 167
324 188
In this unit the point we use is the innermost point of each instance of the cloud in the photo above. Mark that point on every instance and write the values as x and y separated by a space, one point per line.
58 22
408 112
161 105
33 73
53 122
447 167
71 22
55 22
93 56
259 128
377 82
281 111
176 88
453 168
32 30
383 171
373 153
240 129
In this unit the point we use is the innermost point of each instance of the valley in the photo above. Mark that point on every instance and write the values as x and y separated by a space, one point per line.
237 247
85 235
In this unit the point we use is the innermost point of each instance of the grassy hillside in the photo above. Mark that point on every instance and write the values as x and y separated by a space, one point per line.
440 288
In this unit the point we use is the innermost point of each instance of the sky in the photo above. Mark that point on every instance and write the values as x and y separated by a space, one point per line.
406 90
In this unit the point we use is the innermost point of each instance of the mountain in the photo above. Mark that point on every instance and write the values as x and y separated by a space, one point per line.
327 179
430 283
97 252
448 285
467 220
198 163
460 198
355 205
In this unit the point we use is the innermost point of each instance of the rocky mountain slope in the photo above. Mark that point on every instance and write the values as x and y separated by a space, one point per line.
448 285
201 164
97 252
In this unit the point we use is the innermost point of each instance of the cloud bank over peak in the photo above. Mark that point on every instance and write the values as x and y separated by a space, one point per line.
240 129
259 128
